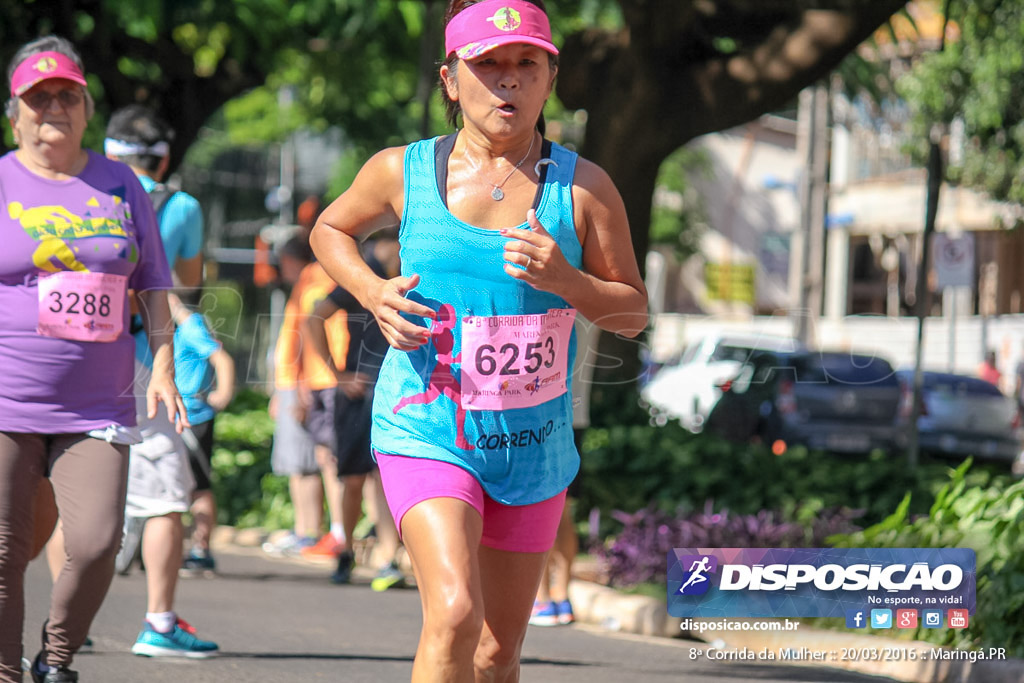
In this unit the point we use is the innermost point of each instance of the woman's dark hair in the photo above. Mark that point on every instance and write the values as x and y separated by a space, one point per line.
296 248
451 107
139 125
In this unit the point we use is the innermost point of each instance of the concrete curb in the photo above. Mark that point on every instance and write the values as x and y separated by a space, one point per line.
606 607
904 660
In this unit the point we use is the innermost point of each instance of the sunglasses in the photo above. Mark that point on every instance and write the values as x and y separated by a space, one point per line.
40 100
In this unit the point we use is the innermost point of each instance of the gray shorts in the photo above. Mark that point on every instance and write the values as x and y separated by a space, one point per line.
320 418
292 452
159 477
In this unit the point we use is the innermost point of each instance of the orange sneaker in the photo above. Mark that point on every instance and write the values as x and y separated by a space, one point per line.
327 548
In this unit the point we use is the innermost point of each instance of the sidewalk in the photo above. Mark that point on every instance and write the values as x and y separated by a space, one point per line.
593 603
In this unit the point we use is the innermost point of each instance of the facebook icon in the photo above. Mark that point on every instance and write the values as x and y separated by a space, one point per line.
856 618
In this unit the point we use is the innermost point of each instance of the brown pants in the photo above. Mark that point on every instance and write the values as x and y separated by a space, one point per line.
90 478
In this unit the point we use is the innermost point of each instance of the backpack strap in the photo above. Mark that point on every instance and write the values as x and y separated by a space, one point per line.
159 196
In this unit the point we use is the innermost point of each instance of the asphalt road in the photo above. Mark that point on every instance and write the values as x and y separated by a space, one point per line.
281 620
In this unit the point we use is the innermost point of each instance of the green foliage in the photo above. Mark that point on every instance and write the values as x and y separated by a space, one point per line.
986 518
678 210
360 73
247 493
633 465
222 306
979 79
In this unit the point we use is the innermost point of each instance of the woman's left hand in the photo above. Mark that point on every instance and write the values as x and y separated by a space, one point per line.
162 389
543 264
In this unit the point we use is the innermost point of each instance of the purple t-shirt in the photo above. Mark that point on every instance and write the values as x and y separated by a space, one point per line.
102 222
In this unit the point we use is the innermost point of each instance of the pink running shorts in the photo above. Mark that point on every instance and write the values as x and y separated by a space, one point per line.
514 528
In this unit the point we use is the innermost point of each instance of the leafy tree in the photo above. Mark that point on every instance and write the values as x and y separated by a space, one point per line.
651 74
187 58
677 70
978 78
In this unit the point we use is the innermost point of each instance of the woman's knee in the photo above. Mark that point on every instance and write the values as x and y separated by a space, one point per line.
93 545
456 616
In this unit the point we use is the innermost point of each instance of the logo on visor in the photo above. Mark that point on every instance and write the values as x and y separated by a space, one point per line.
45 65
506 19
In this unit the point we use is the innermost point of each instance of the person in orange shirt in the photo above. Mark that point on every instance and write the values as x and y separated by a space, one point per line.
317 386
293 452
302 443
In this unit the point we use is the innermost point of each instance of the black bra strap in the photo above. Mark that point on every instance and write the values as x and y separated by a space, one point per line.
443 149
545 154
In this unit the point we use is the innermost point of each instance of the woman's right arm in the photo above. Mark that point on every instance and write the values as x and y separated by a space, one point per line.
373 201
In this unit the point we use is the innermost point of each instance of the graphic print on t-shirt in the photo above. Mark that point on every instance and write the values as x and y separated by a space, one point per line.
75 301
442 380
56 227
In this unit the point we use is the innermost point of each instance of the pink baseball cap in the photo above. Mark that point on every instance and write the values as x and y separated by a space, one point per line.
44 66
484 26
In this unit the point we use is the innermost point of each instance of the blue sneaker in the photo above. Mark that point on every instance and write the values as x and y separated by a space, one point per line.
565 615
175 643
544 614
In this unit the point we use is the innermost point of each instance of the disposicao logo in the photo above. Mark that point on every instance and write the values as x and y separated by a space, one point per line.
506 19
696 581
817 582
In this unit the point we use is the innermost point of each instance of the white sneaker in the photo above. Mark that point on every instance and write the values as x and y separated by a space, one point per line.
131 542
285 545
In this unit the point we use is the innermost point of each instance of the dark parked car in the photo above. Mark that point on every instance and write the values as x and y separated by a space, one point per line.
834 401
960 415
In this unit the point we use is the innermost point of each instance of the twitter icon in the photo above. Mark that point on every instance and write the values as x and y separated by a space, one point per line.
881 618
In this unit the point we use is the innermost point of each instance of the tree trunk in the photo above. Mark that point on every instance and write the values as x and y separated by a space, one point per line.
658 83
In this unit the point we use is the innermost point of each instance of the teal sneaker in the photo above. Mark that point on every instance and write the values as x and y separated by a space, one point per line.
389 576
176 643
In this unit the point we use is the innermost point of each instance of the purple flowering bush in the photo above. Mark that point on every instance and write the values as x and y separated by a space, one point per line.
637 554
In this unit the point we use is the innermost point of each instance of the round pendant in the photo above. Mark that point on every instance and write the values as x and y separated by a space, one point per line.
497 195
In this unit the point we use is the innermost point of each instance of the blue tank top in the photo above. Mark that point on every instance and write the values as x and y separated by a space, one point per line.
520 456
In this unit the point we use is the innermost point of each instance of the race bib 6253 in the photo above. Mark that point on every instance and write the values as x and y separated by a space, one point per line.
515 361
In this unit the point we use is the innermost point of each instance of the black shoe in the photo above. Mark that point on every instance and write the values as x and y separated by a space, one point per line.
59 674
343 574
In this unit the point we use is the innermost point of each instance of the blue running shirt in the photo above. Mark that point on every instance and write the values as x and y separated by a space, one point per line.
520 456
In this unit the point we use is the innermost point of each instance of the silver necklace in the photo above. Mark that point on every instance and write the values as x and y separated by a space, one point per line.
496 194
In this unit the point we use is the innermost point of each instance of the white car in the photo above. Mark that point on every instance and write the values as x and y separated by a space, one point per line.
689 390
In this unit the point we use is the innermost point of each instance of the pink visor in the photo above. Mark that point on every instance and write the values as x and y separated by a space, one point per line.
484 26
44 66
